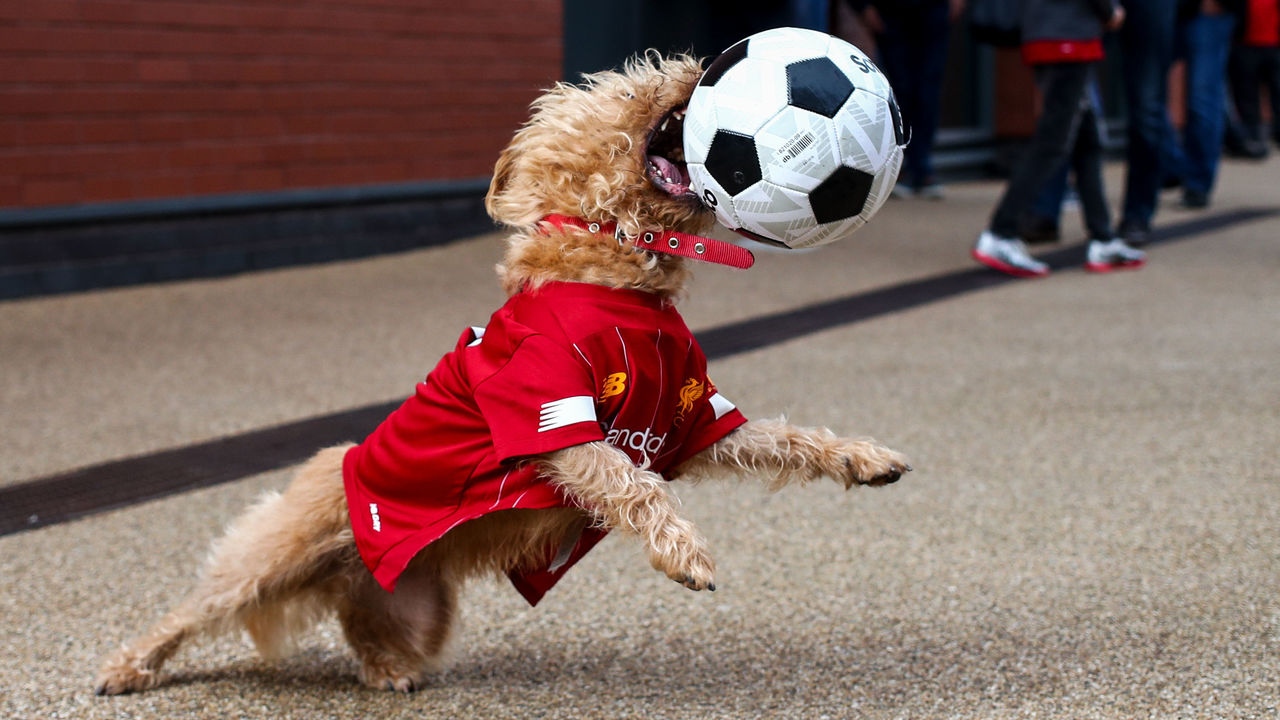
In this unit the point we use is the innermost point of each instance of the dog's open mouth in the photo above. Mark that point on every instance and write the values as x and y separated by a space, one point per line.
664 155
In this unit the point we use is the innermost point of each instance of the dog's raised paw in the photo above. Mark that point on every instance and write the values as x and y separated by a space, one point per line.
692 584
887 476
699 573
680 553
867 464
696 570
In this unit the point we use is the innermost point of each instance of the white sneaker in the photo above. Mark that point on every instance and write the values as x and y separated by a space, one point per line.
1008 255
1113 254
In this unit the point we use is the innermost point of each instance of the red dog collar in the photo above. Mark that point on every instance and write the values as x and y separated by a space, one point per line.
666 241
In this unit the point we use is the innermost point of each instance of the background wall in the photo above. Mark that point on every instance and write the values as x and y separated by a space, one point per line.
108 100
155 140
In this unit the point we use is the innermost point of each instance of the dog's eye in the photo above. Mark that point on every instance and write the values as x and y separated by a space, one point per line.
629 96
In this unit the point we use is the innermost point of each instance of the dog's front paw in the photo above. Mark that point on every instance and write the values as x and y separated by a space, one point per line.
700 574
858 462
683 556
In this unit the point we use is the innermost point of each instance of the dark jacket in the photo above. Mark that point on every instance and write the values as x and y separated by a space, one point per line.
1064 19
894 7
1191 8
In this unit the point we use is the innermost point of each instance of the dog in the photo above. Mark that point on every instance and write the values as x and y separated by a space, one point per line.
562 419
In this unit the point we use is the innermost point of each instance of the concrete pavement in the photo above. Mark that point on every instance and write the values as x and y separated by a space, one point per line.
1093 528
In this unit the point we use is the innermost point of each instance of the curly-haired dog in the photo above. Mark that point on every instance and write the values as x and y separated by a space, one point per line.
561 419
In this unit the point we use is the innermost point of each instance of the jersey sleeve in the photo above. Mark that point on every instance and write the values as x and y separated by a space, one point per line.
541 399
715 417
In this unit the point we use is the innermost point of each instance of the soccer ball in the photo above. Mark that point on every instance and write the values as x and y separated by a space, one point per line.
793 137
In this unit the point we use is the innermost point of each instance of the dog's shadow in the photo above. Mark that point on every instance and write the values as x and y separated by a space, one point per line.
308 669
886 667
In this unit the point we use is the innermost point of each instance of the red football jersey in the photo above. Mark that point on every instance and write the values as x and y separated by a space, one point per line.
565 364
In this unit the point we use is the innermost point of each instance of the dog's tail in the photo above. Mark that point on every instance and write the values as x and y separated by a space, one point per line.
268 572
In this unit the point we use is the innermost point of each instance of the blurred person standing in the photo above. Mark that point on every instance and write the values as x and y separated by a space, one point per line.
912 36
1062 41
1146 45
848 25
1203 38
1254 63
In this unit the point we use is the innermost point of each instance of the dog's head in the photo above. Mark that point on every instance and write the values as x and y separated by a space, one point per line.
608 150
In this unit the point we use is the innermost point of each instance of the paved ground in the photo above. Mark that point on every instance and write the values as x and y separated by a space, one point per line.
1092 529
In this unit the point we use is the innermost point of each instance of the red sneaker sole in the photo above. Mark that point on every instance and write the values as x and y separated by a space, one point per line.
1108 267
1005 268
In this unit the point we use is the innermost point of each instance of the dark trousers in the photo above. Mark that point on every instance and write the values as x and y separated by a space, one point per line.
913 52
1066 129
1251 68
1048 204
1146 40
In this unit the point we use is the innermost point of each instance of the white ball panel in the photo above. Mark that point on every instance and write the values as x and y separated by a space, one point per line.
788 45
772 211
865 132
826 233
699 125
751 92
882 185
798 149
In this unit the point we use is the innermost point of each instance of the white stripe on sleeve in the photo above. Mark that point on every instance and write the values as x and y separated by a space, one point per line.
720 404
567 411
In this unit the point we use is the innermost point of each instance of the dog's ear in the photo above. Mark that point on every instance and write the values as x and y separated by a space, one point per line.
498 185
513 199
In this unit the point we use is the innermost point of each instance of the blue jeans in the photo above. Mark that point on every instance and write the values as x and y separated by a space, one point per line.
1146 41
913 51
1205 41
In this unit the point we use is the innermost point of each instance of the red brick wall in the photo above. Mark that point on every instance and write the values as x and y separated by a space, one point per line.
1016 100
104 100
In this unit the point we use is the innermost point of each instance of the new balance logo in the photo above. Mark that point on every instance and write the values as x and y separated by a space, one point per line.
566 411
614 384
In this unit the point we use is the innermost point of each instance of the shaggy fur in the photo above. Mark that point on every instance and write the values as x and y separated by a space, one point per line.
582 154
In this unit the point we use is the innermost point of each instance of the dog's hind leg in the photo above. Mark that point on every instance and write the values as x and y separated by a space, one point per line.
399 637
788 454
280 550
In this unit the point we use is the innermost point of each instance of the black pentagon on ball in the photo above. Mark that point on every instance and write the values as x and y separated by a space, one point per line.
721 64
817 85
733 162
842 195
